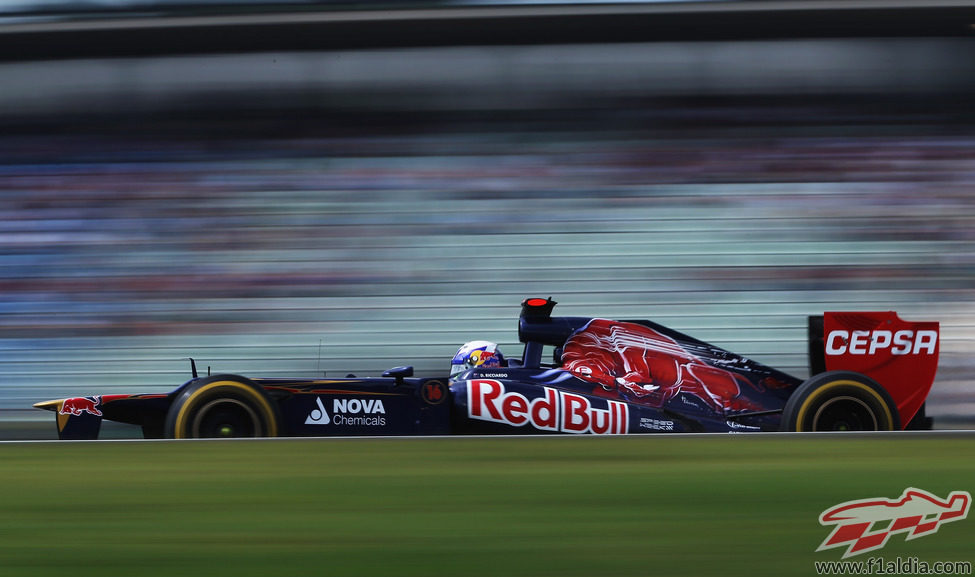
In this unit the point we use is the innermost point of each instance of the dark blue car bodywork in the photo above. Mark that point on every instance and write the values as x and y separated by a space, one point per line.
598 391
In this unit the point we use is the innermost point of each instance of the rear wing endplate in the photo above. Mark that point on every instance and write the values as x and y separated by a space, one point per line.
901 356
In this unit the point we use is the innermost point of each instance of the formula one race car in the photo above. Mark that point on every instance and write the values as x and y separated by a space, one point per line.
870 371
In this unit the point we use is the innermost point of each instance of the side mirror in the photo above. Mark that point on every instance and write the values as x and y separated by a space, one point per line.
399 373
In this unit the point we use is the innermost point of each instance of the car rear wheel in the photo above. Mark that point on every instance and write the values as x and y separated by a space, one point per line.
840 401
222 406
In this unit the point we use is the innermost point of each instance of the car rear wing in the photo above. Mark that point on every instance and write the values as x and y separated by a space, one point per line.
901 356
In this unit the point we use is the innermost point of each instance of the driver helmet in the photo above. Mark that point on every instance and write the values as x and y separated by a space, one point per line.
476 354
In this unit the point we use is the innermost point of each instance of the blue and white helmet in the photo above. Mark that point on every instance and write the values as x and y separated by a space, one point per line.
476 354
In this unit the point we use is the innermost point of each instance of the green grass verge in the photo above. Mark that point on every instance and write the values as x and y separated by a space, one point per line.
727 505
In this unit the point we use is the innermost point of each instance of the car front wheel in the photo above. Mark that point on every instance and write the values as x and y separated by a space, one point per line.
222 406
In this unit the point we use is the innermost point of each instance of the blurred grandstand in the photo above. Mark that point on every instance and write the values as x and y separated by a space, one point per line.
283 210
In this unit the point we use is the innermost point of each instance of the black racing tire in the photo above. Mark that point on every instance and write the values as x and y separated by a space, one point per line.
222 406
840 401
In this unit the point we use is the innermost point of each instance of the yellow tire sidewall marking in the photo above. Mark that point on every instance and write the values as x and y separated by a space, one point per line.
810 400
248 392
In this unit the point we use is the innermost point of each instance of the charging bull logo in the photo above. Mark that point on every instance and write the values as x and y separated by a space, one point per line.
650 366
80 405
481 357
917 513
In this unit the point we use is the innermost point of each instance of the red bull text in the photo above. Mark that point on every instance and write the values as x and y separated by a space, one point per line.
556 411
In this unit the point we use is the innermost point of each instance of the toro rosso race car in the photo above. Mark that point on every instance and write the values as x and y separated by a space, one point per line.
870 371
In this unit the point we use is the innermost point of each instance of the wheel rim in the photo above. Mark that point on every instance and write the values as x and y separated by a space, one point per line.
226 418
845 414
